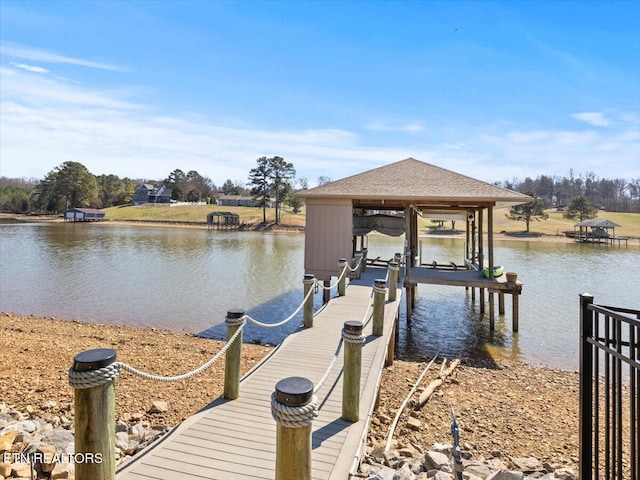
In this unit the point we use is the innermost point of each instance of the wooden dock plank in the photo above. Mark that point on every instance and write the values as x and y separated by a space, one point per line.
236 439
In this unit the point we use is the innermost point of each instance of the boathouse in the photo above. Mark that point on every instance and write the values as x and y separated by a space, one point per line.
223 220
389 199
84 215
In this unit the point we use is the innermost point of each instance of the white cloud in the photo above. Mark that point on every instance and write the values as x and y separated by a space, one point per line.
413 127
46 121
37 55
30 68
597 119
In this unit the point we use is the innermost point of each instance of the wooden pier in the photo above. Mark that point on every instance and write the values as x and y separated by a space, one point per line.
236 439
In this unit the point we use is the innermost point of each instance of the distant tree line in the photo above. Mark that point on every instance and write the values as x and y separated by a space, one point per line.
617 195
71 185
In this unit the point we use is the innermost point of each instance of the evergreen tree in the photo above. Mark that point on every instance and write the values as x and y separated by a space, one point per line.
529 211
580 208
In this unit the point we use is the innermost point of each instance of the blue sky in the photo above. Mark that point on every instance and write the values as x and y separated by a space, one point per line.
494 90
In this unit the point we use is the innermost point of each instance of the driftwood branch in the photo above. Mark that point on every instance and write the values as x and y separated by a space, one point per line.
392 428
424 396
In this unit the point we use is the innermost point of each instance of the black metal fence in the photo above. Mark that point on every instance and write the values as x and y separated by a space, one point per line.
609 399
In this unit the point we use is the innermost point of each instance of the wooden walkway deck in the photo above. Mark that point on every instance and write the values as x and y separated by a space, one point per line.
236 439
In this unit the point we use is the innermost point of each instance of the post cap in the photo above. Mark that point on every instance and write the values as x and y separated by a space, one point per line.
94 359
353 326
380 282
235 313
294 391
393 264
309 276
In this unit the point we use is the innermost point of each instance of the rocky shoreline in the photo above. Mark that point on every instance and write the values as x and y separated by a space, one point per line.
506 411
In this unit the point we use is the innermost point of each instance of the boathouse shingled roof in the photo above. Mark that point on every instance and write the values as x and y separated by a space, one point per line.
416 182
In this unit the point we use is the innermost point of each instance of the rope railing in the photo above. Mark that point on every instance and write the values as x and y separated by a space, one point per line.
341 276
95 378
95 371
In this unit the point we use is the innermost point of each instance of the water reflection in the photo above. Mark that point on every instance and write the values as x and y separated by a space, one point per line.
187 279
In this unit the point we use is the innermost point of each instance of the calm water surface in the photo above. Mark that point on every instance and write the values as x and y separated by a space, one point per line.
186 279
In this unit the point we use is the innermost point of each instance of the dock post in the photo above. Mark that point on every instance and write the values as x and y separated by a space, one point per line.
501 303
515 311
391 347
232 358
397 257
394 270
353 339
308 283
293 407
379 294
342 275
93 379
365 253
492 311
326 293
482 306
359 257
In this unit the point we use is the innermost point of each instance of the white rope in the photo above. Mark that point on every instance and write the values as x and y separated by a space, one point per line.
353 269
286 320
98 377
317 388
294 417
93 378
378 289
353 338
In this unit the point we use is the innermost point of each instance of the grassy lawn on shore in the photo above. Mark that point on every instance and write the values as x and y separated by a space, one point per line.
554 225
198 214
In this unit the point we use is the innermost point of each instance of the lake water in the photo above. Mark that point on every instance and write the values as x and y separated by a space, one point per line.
186 279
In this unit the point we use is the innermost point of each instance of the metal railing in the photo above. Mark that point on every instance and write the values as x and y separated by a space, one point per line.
609 399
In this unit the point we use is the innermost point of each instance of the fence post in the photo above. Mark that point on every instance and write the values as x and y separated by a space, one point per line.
95 423
353 339
308 282
234 321
397 257
342 275
293 407
379 294
394 269
586 386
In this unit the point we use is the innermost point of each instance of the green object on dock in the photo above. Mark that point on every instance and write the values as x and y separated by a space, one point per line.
497 271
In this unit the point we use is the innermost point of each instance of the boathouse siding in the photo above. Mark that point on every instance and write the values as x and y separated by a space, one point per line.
328 235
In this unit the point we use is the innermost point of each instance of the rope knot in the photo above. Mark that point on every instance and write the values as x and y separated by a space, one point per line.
93 378
378 289
352 338
294 417
235 321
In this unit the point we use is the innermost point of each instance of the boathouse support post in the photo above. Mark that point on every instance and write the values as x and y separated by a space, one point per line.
342 275
501 303
308 283
515 311
492 313
379 294
397 257
353 339
481 256
394 269
94 421
293 407
234 321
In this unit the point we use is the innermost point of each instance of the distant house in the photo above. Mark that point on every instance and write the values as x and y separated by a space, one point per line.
83 215
241 201
148 193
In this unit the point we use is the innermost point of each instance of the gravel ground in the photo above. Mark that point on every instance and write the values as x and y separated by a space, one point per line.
503 408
